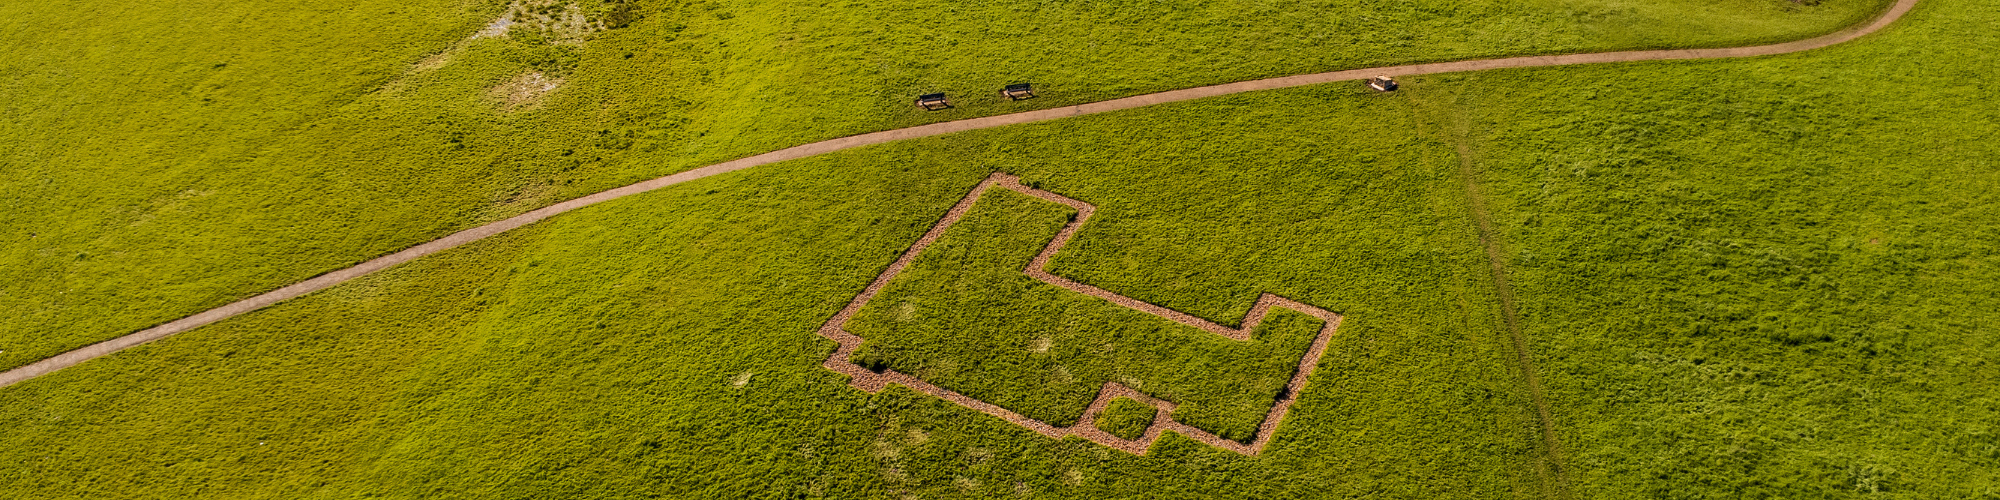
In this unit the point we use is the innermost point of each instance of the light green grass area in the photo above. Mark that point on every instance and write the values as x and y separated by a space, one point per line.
1126 418
966 317
664 344
1763 278
161 159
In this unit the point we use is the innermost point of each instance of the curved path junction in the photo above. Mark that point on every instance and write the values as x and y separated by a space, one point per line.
86 353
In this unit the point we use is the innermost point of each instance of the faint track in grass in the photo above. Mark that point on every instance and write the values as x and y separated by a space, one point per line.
1555 474
74 357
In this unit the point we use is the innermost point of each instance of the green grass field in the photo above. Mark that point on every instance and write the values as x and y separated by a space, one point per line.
612 342
180 155
1763 278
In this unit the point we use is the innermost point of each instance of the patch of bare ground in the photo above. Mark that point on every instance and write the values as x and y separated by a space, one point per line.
497 28
553 21
524 91
431 63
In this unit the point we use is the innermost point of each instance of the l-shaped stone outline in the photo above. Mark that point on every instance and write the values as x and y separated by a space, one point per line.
871 381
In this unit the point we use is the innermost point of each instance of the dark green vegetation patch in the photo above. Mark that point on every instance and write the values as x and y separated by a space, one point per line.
1126 418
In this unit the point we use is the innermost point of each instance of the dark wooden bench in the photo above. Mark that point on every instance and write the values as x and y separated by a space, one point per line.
1018 91
933 102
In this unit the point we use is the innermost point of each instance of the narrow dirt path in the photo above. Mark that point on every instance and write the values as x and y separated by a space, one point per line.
1163 419
71 358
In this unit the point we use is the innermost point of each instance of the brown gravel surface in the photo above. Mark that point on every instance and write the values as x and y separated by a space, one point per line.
1086 428
71 358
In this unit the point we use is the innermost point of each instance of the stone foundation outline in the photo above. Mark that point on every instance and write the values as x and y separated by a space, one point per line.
873 382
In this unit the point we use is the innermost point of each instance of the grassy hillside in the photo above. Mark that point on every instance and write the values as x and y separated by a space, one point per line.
1756 278
663 344
1760 279
163 158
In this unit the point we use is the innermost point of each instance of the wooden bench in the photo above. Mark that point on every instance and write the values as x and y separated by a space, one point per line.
1018 91
933 102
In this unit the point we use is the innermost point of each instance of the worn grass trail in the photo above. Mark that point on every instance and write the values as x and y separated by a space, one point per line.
1503 290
